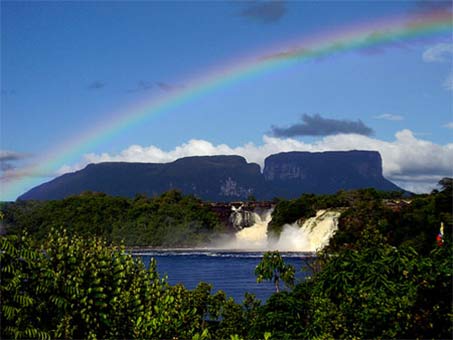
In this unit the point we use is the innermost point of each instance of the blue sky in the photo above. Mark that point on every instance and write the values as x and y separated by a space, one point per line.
67 66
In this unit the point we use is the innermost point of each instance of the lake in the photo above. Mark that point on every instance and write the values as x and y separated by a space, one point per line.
230 271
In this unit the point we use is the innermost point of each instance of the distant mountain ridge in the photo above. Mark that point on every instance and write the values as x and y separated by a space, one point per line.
226 178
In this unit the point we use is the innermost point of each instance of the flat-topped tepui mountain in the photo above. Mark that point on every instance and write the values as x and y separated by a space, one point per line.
216 178
225 178
325 172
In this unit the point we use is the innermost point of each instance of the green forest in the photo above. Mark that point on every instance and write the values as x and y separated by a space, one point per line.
167 220
66 272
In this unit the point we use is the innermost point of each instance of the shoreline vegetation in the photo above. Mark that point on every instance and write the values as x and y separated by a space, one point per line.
66 271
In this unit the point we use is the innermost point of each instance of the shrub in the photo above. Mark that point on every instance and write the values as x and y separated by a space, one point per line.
73 287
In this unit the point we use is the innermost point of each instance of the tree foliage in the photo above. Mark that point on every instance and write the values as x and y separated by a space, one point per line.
415 224
168 220
82 288
378 291
273 268
73 287
304 207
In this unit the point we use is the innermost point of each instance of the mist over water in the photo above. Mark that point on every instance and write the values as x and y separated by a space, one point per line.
254 237
313 235
309 236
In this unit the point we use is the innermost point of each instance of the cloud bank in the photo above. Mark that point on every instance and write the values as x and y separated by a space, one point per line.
315 125
414 164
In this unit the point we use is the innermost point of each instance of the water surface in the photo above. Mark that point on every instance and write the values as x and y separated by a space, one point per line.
230 271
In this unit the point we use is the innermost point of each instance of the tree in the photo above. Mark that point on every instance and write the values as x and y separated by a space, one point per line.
446 183
82 288
377 291
272 267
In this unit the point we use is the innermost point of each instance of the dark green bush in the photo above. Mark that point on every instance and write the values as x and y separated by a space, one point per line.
73 287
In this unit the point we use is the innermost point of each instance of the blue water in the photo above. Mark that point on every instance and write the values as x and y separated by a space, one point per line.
232 272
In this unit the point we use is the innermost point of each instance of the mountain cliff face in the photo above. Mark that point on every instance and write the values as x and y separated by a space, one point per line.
225 178
215 178
292 173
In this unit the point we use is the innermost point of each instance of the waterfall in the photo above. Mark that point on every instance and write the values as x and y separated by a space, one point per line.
241 218
254 237
308 236
313 235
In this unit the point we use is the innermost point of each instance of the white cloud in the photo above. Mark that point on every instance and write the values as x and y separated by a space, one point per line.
417 184
449 125
389 116
441 53
414 164
448 82
438 53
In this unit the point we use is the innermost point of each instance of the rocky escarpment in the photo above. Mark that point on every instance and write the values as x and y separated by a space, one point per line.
214 178
226 178
325 172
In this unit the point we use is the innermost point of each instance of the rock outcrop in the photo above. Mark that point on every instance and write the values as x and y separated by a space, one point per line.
239 215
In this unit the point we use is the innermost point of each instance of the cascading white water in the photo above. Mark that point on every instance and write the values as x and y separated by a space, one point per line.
254 237
249 238
312 235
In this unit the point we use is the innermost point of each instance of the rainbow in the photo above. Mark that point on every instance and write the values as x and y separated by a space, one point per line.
349 38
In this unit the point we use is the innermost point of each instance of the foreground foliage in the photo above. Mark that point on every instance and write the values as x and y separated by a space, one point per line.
78 288
72 287
382 276
378 291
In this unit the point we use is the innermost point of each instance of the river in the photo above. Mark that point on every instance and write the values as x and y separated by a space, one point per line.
230 271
